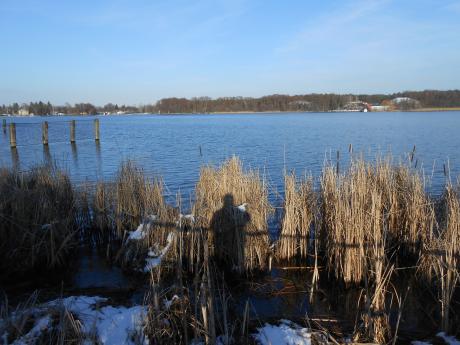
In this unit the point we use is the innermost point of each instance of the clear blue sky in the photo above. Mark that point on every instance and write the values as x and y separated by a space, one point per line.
140 51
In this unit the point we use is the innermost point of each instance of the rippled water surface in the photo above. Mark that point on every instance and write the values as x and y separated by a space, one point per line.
175 146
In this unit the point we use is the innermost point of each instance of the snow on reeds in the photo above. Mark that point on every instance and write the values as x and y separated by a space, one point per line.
233 205
73 320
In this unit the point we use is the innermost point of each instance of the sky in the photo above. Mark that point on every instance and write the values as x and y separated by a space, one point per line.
139 51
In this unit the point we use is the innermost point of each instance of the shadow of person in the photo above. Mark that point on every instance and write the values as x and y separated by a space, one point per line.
228 225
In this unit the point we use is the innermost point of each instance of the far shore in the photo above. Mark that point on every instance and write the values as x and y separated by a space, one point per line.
432 109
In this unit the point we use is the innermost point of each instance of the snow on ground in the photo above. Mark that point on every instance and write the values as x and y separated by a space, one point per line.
108 325
286 333
111 325
40 325
448 339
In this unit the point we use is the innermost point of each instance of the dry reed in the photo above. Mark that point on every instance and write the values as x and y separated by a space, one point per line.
136 197
139 201
411 212
38 220
234 206
299 213
441 260
406 212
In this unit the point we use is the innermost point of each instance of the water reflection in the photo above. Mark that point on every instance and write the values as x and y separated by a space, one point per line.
15 158
74 153
47 159
98 157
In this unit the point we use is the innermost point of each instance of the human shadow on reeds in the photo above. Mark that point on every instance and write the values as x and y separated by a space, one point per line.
228 225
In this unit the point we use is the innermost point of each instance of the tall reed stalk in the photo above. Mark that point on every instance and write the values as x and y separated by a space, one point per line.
299 212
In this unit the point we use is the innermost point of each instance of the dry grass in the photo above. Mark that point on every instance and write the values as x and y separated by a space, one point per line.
441 260
121 206
346 222
239 238
140 202
38 220
103 207
411 212
405 211
355 209
135 198
299 213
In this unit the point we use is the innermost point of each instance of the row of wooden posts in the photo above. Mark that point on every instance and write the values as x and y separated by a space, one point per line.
12 127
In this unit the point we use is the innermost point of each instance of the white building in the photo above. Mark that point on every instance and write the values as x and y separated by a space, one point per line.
23 112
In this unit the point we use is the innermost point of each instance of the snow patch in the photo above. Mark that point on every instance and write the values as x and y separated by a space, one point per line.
111 325
152 262
187 217
42 324
107 325
448 339
286 333
142 229
167 303
242 207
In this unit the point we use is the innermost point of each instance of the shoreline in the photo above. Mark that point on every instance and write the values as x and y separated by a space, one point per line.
422 110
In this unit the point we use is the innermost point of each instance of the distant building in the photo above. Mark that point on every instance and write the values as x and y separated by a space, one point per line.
23 112
405 103
380 108
356 106
300 105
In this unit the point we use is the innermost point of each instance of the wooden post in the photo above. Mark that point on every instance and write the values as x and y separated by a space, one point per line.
96 129
45 133
338 162
72 131
12 135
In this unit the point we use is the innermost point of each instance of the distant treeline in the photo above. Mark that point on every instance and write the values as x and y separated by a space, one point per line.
308 102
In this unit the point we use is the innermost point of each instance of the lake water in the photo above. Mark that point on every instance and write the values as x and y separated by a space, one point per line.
175 146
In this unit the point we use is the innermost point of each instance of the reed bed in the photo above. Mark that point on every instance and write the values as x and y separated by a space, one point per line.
441 259
355 210
135 198
299 214
103 207
411 212
368 222
346 222
38 220
406 212
234 206
121 206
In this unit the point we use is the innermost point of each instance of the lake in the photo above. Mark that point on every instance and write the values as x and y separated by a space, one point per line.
175 146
